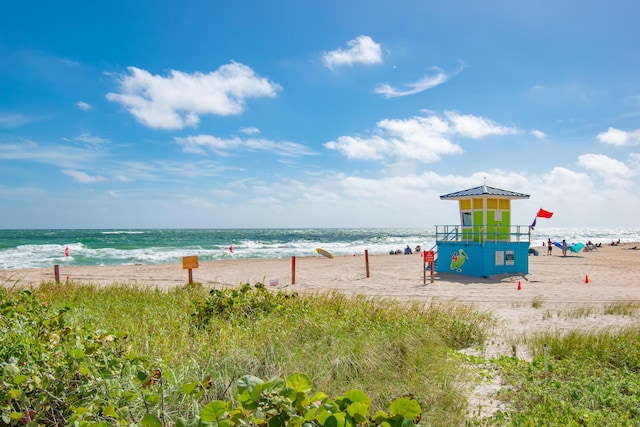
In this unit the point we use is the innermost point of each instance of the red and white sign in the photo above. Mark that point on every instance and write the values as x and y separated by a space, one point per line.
429 256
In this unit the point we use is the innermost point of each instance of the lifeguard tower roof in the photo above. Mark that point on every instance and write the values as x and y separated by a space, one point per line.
484 190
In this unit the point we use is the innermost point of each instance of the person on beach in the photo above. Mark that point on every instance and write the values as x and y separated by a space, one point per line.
564 247
549 247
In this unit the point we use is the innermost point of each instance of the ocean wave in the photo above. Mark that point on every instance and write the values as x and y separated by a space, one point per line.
45 248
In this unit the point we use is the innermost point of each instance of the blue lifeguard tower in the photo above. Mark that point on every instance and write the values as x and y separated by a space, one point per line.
485 242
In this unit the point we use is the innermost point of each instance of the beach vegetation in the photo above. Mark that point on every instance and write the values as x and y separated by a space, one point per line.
537 302
117 355
623 308
585 378
127 355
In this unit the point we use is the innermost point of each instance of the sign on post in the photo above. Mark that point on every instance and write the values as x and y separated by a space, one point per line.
188 263
429 257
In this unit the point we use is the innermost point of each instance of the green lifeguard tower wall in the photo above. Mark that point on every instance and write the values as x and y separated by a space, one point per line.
485 242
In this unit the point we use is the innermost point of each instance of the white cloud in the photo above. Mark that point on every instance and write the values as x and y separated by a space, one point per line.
539 134
83 106
418 138
61 156
250 131
619 137
362 50
614 172
424 139
477 127
178 100
91 139
427 82
373 148
200 144
83 177
9 121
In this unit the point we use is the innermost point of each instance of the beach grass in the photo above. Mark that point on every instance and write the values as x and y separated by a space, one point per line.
385 348
587 378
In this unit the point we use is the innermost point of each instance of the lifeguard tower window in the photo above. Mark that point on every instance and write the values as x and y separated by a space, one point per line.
466 218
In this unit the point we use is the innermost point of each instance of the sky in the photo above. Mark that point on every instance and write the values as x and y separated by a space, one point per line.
233 114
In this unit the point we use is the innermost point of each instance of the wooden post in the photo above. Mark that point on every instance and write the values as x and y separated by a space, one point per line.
293 270
56 273
366 260
190 276
431 268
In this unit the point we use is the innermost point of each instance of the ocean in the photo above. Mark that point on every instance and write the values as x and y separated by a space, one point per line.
45 248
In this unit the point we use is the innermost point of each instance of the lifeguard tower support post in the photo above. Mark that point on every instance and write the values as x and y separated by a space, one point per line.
485 243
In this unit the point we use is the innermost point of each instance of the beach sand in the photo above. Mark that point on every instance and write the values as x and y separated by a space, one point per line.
554 283
559 294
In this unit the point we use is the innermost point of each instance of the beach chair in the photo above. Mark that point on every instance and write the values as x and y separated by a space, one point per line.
590 247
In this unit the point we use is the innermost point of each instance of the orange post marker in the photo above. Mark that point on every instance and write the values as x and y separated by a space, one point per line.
519 287
586 279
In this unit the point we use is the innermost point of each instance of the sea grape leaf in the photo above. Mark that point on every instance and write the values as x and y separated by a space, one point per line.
406 407
301 383
213 411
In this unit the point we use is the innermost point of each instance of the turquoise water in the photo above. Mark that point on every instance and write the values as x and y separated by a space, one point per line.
44 248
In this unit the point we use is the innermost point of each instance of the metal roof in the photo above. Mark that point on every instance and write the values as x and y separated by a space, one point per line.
485 190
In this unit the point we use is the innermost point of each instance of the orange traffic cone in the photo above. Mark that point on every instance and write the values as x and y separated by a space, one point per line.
519 287
586 279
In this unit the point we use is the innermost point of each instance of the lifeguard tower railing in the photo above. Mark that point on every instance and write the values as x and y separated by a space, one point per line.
483 233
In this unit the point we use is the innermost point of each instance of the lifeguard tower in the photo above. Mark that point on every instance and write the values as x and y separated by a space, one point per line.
485 242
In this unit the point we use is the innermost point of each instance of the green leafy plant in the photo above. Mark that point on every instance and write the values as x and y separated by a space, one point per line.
242 303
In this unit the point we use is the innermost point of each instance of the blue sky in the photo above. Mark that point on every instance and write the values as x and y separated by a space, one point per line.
132 114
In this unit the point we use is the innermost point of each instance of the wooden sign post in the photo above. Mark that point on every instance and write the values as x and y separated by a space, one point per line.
293 270
429 257
188 263
366 260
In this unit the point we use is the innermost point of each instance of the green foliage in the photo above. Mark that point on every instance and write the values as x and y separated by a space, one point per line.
587 379
58 372
238 304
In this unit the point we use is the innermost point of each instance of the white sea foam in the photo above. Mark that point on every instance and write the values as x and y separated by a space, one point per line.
169 246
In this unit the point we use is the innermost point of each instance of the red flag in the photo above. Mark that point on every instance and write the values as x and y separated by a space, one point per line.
66 251
544 214
231 248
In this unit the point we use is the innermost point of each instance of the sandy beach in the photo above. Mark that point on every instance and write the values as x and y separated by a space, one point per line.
587 279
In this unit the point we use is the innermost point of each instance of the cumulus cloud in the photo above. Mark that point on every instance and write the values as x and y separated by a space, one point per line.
179 99
614 172
422 138
361 50
373 148
201 144
426 82
83 106
476 127
619 137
